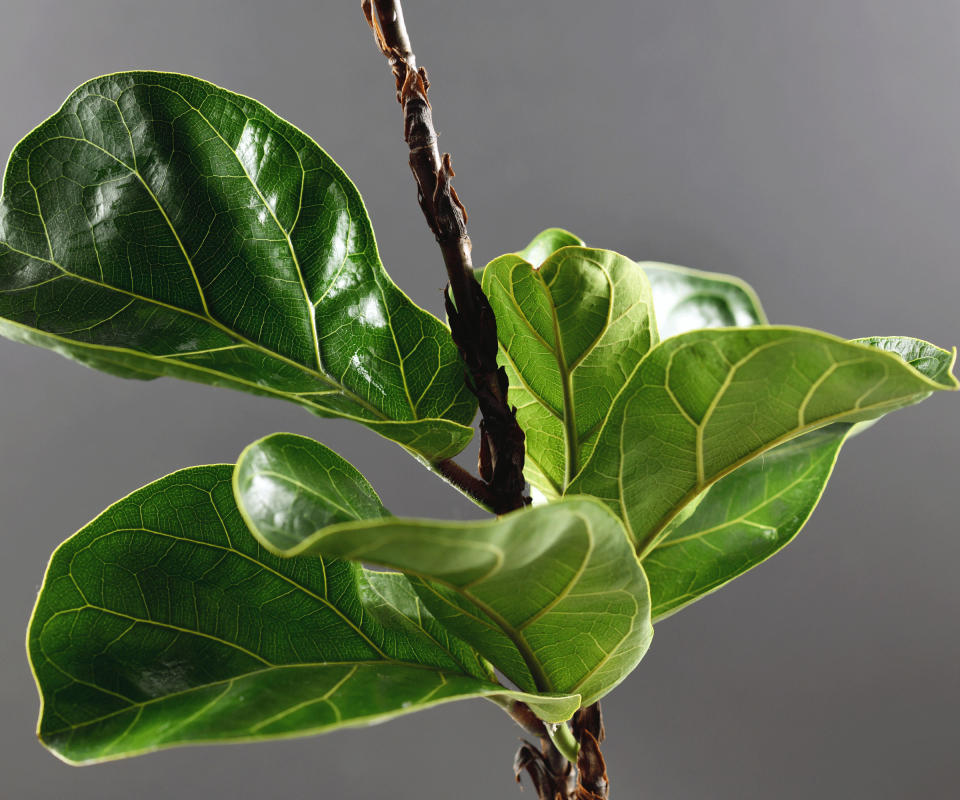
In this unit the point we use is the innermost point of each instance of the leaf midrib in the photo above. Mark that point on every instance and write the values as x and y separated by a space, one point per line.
202 686
568 416
207 317
649 543
570 438
742 518
285 578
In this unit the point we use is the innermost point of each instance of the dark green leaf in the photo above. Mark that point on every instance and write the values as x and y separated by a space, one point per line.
571 332
294 486
703 403
553 596
163 622
159 225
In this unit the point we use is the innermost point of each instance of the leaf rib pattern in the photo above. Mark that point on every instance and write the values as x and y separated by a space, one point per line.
571 332
163 622
746 517
159 225
553 596
760 507
704 403
727 516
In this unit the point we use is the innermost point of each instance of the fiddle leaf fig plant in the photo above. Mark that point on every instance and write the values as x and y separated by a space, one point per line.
159 226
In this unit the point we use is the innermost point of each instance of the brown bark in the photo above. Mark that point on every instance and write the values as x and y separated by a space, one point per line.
472 322
474 329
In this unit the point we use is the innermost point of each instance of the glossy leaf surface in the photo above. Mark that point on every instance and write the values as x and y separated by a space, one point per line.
571 332
546 243
303 485
159 225
163 622
553 596
703 403
688 299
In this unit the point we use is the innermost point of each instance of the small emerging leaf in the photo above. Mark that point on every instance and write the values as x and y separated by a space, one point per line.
571 332
160 225
552 596
163 622
546 243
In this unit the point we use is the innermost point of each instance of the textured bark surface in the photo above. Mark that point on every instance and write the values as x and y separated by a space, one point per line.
472 323
474 329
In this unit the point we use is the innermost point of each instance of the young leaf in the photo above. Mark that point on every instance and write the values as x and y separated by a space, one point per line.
546 243
684 299
553 596
159 225
705 402
688 299
571 331
163 622
760 507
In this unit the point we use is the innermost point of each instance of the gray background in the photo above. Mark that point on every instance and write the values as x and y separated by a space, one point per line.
811 146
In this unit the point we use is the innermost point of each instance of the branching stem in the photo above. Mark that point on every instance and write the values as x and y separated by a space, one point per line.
473 326
472 321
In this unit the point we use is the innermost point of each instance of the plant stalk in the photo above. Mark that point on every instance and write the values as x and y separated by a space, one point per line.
563 740
471 318
473 327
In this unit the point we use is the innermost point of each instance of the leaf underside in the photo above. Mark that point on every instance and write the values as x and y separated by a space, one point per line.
760 507
714 447
163 622
705 402
744 519
553 596
160 225
571 332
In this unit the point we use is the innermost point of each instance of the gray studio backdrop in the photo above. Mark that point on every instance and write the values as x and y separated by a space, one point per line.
811 146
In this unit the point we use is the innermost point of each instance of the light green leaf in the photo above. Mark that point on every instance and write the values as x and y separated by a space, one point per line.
688 299
552 596
744 519
571 332
928 359
759 508
159 225
546 243
703 403
163 622
684 299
